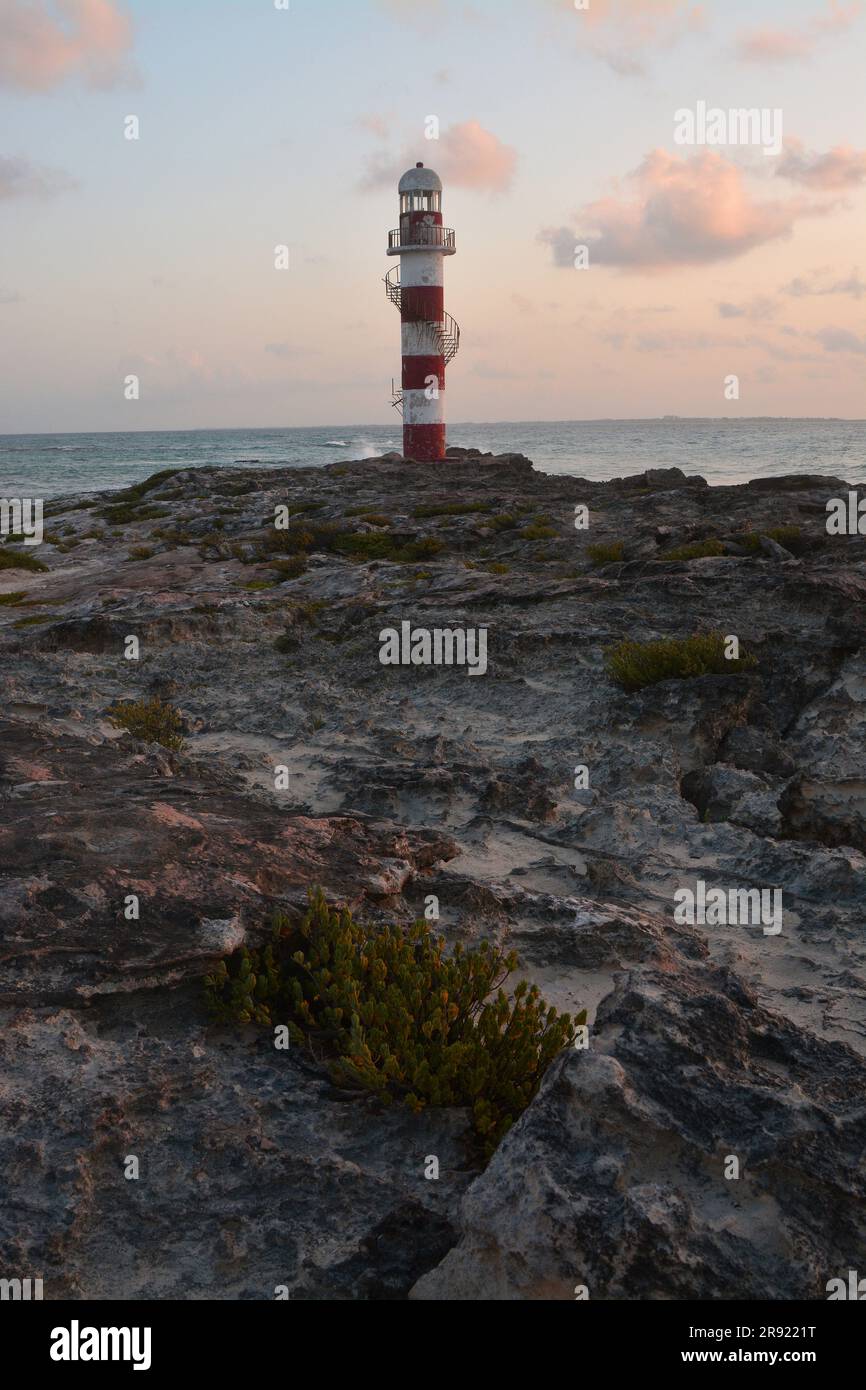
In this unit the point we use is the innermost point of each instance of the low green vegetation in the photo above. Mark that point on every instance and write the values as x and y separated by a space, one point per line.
136 491
396 1015
20 560
153 721
292 567
696 550
606 552
634 665
32 620
172 535
141 552
309 536
372 547
126 514
126 508
303 612
14 596
537 531
790 537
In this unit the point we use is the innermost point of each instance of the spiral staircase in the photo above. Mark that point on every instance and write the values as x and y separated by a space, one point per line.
443 338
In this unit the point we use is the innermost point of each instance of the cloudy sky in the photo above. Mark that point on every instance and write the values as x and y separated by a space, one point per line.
261 126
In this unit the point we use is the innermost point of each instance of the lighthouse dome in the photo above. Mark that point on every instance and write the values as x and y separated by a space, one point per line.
420 180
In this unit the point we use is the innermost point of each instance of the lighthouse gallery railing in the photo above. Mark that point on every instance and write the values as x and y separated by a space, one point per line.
422 234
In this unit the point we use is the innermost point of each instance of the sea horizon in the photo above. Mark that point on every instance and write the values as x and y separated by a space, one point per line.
723 450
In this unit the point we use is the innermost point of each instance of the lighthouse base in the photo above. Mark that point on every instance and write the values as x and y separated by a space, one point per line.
426 443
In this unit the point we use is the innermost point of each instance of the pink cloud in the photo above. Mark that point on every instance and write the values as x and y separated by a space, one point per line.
774 45
375 124
620 32
473 157
841 167
651 19
44 42
677 212
465 156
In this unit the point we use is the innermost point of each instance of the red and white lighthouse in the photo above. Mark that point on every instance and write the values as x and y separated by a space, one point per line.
430 337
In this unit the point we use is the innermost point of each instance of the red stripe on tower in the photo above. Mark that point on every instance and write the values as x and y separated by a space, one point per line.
429 336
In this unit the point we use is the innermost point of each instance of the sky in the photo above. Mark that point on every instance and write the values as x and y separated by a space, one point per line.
560 125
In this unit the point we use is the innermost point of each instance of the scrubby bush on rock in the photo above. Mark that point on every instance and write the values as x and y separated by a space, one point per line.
398 1016
154 721
634 665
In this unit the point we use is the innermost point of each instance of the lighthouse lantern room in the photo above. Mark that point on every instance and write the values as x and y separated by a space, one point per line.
430 337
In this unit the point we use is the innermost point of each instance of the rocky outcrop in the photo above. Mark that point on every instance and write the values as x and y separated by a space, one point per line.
409 783
701 1142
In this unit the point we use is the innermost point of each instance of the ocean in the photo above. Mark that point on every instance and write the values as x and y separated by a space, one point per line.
723 451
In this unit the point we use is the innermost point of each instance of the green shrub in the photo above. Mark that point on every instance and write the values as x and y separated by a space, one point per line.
606 552
152 720
503 521
306 610
32 620
789 536
375 518
397 1016
373 547
15 596
172 535
305 536
20 560
697 550
292 567
634 665
141 552
302 611
126 514
130 495
537 531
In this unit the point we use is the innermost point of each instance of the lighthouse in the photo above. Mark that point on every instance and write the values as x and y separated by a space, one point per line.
430 337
